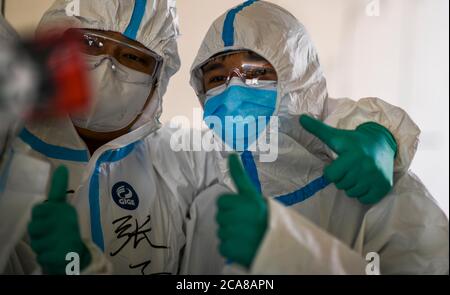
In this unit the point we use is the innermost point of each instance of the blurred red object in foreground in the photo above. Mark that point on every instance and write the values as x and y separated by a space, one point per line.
65 86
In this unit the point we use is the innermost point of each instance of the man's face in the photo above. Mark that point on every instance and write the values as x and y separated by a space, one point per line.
244 64
128 53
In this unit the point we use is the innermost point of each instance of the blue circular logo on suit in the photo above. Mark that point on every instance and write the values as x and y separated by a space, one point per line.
125 196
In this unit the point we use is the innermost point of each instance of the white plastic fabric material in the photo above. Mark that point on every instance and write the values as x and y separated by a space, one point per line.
149 238
26 185
407 230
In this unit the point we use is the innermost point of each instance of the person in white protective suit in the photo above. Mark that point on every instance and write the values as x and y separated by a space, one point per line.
309 226
130 191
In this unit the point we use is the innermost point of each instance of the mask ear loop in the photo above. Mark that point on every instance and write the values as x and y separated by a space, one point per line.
114 65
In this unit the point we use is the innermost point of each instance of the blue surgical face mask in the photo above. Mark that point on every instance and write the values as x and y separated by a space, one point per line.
242 111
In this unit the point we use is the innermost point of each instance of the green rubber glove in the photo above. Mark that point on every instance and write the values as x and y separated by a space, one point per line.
54 229
364 168
242 218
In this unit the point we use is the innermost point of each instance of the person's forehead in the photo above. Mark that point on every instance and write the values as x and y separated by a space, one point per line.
118 36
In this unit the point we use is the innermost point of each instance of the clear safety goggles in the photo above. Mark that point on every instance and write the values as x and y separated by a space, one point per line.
117 70
134 57
251 68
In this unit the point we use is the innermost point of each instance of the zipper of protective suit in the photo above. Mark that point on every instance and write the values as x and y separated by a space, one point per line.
107 154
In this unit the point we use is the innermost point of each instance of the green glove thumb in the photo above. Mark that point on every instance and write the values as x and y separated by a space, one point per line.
327 134
240 177
59 184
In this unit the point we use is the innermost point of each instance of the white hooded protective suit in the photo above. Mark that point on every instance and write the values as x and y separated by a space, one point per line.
132 194
323 231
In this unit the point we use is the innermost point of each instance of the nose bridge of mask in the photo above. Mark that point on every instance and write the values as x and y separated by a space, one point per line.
222 100
261 95
95 61
236 73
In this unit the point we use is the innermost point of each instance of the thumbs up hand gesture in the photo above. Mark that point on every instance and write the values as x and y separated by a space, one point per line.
364 168
242 218
54 229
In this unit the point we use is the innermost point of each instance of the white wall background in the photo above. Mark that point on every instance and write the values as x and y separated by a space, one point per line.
400 55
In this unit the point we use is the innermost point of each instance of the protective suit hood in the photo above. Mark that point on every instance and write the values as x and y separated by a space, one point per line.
6 31
275 34
152 23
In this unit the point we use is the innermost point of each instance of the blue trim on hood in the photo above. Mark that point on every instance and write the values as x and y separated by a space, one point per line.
136 19
228 26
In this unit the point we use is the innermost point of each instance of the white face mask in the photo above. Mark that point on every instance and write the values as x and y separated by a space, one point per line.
119 95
